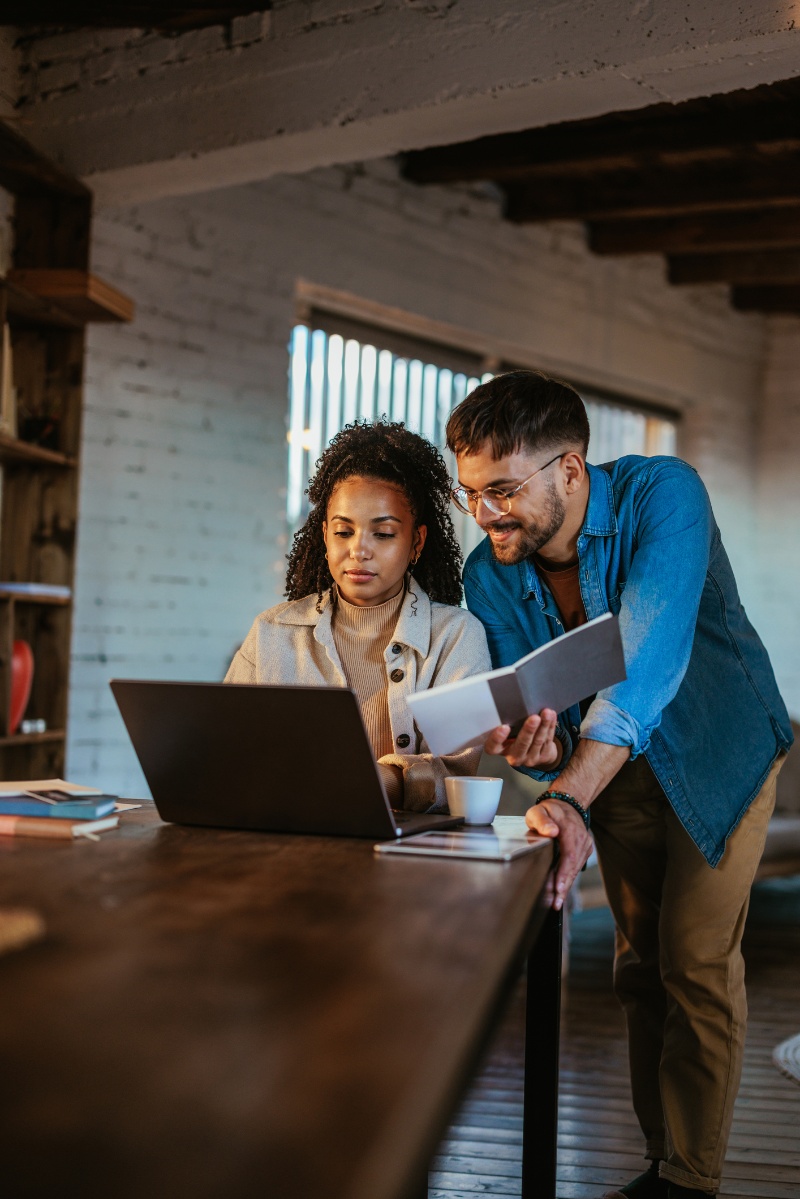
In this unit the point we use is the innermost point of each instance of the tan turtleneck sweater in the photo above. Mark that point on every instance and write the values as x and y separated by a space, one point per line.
361 635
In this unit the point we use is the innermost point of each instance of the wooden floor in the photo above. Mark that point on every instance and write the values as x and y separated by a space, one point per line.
599 1139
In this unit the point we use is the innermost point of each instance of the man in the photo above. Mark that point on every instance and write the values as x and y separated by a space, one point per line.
677 764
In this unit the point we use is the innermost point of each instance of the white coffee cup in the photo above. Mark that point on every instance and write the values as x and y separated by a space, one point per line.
475 797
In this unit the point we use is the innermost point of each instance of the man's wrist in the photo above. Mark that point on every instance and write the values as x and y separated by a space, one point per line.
570 800
571 782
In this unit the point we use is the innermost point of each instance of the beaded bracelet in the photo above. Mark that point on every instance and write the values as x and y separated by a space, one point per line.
565 797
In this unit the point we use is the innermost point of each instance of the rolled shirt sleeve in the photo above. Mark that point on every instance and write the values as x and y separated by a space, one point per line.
674 529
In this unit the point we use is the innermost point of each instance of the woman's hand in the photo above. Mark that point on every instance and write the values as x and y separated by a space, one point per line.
535 744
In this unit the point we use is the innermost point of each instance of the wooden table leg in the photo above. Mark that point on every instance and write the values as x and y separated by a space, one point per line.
542 1024
420 1190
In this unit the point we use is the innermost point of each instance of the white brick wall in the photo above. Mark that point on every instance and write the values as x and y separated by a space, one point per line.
184 436
183 460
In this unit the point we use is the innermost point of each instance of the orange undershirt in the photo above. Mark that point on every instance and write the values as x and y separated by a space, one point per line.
565 588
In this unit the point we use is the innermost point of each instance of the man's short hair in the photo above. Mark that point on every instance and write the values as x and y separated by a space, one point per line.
519 410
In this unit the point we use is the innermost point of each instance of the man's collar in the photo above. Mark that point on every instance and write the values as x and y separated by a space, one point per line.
530 581
601 517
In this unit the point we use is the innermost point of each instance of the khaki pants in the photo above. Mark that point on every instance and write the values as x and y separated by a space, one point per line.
678 970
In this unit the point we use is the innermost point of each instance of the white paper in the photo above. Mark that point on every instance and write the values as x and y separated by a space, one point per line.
556 675
455 715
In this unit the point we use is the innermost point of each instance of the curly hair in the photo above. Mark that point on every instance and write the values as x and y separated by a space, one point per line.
390 452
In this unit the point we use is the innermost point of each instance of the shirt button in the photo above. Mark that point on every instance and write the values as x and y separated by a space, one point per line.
403 740
397 648
397 676
575 729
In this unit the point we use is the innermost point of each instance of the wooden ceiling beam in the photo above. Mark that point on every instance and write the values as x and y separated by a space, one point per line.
541 153
748 121
702 232
748 266
775 300
713 183
661 192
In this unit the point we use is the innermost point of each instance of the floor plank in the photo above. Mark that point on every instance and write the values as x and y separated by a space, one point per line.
599 1139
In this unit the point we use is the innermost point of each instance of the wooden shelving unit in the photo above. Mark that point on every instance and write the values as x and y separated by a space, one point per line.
45 300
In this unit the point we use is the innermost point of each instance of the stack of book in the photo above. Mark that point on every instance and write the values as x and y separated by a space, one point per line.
54 808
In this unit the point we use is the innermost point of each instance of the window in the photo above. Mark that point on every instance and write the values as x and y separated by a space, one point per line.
341 369
618 428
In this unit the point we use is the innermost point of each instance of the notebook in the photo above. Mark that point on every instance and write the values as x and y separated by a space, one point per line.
277 759
556 675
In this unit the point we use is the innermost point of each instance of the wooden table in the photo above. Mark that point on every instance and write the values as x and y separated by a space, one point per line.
225 1015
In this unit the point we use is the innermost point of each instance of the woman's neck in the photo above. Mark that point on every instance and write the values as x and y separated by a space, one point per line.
369 616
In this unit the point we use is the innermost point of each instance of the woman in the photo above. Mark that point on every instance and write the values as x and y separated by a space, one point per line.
357 616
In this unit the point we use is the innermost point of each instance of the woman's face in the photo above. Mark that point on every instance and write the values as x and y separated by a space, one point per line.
370 538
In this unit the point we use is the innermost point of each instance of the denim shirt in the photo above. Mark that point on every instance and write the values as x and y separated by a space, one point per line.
700 700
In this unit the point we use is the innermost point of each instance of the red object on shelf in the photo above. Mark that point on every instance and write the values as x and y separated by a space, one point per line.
21 681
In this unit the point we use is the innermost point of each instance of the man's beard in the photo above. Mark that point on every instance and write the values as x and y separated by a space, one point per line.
535 534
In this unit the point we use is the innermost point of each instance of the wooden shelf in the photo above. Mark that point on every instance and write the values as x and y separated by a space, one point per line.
31 597
33 738
12 449
25 309
82 295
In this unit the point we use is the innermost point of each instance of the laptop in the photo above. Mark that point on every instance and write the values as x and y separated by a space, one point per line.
276 759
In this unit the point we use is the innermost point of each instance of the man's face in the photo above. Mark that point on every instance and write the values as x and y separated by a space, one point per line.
537 510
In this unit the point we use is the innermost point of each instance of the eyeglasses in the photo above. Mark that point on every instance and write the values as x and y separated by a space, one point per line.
497 500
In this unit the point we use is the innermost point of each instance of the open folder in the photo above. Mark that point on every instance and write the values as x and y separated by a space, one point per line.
557 675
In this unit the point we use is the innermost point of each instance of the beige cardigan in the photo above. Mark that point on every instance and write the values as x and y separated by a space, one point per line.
431 644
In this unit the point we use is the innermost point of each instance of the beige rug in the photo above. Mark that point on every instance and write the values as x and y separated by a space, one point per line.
787 1058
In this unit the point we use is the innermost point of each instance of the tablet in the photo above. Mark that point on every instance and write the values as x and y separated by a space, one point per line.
483 844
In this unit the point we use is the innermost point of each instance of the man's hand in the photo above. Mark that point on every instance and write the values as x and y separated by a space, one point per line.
592 766
552 818
534 745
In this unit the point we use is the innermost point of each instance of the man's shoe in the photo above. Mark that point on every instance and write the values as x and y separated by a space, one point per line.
645 1186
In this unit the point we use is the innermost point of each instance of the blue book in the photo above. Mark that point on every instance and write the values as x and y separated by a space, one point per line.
55 804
